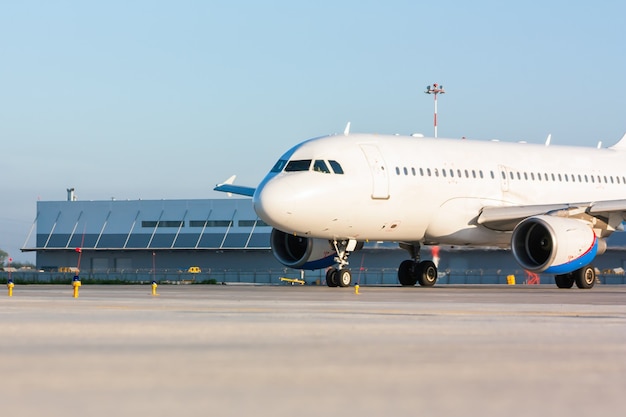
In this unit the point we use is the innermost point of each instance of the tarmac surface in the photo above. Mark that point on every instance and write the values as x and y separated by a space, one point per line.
234 350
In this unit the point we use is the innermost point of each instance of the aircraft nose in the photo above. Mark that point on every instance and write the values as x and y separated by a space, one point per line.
280 201
271 202
289 203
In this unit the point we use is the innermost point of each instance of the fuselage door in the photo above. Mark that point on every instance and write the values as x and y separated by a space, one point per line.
504 178
380 177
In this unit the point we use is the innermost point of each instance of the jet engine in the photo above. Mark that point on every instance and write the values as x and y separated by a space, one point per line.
556 245
301 252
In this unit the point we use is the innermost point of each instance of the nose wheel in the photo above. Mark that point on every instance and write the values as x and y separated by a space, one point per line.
341 276
338 277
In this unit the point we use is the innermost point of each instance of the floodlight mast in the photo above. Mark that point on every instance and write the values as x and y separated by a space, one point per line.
435 89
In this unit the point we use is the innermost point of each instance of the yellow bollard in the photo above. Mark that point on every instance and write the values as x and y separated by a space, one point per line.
154 287
76 285
510 279
356 289
10 286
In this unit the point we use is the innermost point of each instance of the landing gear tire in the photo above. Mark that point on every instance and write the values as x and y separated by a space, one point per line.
407 273
426 273
564 280
344 277
331 277
585 277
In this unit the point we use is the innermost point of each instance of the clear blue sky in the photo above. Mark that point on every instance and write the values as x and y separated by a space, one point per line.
163 99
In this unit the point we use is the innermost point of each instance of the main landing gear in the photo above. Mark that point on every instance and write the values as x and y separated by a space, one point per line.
584 278
413 270
410 271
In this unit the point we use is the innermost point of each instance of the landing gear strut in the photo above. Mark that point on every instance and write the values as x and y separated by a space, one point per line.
341 276
413 271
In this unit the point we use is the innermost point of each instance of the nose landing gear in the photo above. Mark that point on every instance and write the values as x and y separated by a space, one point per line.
341 276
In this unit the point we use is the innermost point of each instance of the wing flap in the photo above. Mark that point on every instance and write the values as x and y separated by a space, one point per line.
606 207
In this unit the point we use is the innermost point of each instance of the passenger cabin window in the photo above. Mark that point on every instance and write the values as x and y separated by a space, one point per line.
298 165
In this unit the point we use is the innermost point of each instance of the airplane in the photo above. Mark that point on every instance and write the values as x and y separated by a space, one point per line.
553 206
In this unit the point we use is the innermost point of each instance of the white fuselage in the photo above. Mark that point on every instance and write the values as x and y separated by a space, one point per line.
412 189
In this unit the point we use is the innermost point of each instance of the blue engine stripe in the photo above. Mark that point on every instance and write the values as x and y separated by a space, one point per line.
577 263
319 263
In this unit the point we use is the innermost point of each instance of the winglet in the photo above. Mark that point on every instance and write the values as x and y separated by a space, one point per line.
620 145
230 180
548 139
346 131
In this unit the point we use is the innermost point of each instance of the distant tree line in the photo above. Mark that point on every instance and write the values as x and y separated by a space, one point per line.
4 257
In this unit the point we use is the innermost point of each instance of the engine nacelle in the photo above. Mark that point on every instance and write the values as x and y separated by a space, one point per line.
556 245
301 252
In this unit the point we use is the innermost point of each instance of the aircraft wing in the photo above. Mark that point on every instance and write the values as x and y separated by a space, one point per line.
611 212
230 188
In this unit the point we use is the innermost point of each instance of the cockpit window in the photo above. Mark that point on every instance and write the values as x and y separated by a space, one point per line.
320 166
279 165
298 165
336 167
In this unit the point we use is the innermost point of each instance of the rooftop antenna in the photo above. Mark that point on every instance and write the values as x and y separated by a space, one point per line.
71 196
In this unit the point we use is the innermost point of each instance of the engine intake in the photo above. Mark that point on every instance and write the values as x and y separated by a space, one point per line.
301 252
556 245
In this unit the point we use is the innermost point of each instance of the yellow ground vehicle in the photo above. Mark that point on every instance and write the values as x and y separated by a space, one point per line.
194 270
